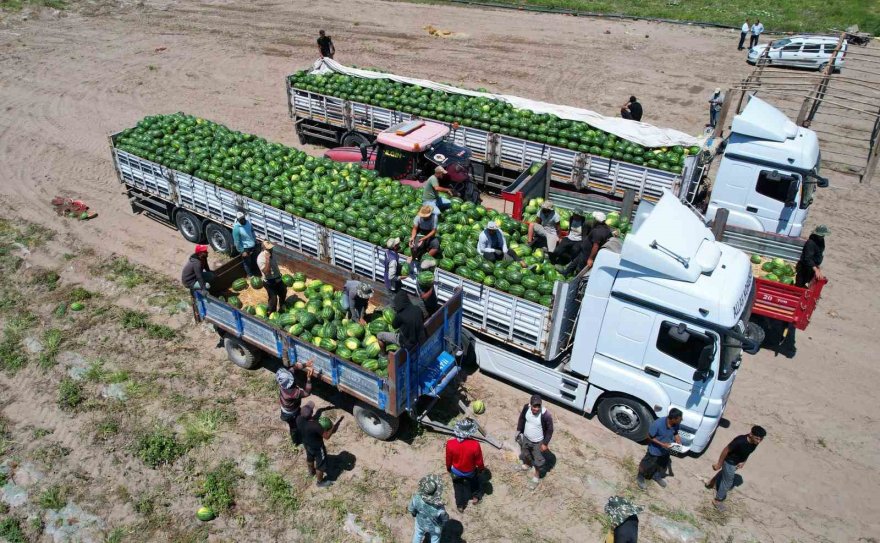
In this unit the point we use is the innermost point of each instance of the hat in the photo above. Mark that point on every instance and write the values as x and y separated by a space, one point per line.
718 90
365 290
268 245
536 399
440 170
547 204
284 378
822 230
431 489
464 428
598 216
428 264
619 509
239 215
492 225
392 243
201 249
426 211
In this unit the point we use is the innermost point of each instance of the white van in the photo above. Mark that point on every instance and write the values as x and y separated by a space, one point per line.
801 51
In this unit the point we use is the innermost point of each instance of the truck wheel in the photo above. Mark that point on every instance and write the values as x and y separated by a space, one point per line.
241 354
626 417
375 423
220 238
354 139
189 225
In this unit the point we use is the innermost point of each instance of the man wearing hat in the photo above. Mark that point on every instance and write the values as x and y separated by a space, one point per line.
534 431
715 103
427 507
492 245
807 269
392 265
246 244
431 191
464 462
356 295
544 230
427 292
275 287
314 430
423 237
290 395
623 517
197 274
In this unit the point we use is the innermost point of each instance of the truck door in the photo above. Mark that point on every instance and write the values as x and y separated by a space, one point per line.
774 199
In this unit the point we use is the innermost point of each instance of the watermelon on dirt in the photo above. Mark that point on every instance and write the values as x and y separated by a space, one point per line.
256 283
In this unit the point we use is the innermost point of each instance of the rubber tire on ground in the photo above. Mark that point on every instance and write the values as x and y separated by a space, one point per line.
635 407
189 225
375 423
220 238
241 354
353 139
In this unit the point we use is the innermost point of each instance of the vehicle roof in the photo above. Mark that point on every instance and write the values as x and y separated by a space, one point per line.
763 132
810 38
413 136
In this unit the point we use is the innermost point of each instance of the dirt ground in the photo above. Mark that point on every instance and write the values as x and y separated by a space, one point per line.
72 78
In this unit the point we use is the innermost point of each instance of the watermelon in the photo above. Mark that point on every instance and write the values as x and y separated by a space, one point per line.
343 352
360 356
256 283
376 326
517 290
388 315
756 258
287 279
299 276
425 278
77 306
352 344
767 266
205 514
354 330
234 302
373 349
325 422
239 284
286 320
478 407
296 330
328 344
513 276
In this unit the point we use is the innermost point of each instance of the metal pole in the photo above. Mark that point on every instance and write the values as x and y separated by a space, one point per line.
719 223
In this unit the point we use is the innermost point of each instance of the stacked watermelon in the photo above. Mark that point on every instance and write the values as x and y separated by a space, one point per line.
776 269
340 196
493 115
621 226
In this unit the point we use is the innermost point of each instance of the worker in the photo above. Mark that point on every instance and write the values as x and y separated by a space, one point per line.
431 191
568 247
428 291
356 298
423 237
623 519
757 30
427 507
744 31
409 323
392 265
464 462
326 49
492 245
807 269
631 110
275 287
197 274
313 434
584 256
662 433
246 244
732 459
290 395
716 101
534 430
544 230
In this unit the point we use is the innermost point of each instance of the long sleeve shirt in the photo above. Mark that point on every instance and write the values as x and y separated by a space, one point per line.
243 236
429 517
546 423
192 272
485 247
465 456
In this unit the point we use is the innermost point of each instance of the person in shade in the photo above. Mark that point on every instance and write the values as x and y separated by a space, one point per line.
661 435
733 458
291 395
428 510
464 462
623 518
534 432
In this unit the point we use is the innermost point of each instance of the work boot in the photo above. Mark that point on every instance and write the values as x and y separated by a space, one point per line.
641 482
324 484
660 481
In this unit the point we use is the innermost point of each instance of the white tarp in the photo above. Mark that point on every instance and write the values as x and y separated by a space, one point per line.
637 132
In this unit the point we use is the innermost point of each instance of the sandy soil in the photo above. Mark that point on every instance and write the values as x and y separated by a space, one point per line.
71 80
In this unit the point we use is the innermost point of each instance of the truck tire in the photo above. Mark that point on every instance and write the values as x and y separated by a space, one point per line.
353 139
189 225
375 423
220 238
241 354
626 417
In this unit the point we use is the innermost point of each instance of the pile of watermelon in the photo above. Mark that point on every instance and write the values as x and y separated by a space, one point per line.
776 269
493 115
315 315
621 227
340 196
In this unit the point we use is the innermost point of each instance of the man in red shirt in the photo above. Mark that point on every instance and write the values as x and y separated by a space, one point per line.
464 461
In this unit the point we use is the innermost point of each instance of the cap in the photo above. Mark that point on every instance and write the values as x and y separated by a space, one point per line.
201 249
822 230
547 204
392 243
598 216
428 264
717 90
365 290
536 399
440 170
492 225
268 245
426 211
239 215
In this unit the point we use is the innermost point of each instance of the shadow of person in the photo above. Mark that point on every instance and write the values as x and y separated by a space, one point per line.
737 481
549 464
452 532
486 482
339 463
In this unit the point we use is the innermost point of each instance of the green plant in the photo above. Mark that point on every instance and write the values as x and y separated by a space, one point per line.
54 498
218 487
47 278
126 273
201 427
133 320
159 447
70 394
10 529
279 493
145 505
160 331
80 294
52 339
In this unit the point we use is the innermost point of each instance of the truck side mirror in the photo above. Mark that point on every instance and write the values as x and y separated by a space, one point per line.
704 363
364 156
680 333
822 182
791 195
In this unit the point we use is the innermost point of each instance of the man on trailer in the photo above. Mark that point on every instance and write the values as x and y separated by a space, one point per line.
544 230
427 292
197 274
408 321
431 191
423 237
392 265
246 244
356 295
807 269
568 247
492 245
272 282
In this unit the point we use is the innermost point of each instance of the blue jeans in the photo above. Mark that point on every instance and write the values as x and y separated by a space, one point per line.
725 481
419 534
713 117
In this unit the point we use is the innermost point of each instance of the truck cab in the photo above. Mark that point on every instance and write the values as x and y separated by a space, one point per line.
769 172
409 152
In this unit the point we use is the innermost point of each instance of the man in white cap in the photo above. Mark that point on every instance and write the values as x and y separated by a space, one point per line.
357 296
544 230
431 191
246 244
423 237
715 103
275 287
392 264
492 245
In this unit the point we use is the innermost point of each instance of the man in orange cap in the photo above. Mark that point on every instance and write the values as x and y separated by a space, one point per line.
197 274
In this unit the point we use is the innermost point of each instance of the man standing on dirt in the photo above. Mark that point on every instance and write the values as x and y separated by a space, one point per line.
631 110
715 103
464 462
807 269
275 287
534 431
746 27
733 458
246 244
757 29
428 509
663 432
325 45
290 395
313 434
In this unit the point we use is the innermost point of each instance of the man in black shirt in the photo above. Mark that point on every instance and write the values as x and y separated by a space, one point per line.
325 45
409 322
599 234
631 110
313 433
732 458
807 269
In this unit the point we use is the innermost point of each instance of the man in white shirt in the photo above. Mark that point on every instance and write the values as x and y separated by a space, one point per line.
742 36
272 282
757 28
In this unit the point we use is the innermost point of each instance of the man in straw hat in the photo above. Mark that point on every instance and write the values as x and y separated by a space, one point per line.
423 237
544 230
623 516
427 507
431 191
492 245
392 265
464 462
275 287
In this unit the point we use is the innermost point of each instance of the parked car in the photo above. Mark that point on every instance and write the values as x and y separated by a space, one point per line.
801 51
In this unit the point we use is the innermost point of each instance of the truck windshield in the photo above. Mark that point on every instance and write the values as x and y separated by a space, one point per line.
731 357
393 163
